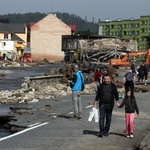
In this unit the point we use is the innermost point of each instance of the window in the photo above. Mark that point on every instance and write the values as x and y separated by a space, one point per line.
142 30
132 33
132 25
119 26
137 25
142 22
125 33
124 25
68 44
136 32
5 36
106 26
4 43
112 26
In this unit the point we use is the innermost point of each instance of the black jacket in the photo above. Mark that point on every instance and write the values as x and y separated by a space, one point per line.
130 106
114 94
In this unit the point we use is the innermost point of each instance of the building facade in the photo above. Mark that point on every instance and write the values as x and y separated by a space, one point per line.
136 29
46 38
13 39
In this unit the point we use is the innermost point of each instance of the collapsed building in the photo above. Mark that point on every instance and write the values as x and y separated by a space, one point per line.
95 48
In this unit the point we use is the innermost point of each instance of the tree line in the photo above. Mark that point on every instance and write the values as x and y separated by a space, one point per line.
83 26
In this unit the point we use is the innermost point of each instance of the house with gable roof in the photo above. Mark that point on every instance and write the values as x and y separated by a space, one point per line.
46 38
13 39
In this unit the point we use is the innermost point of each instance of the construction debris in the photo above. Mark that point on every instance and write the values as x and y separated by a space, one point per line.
101 50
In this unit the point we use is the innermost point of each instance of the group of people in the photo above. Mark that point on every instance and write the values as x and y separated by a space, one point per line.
106 95
141 72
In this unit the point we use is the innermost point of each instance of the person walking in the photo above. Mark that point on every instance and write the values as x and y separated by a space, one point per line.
76 86
128 80
131 106
97 75
106 96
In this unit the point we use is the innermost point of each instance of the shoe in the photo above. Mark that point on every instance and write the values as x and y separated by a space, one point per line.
79 118
106 134
100 135
128 135
74 118
131 135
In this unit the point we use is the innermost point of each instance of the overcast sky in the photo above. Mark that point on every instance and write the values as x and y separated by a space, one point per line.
90 9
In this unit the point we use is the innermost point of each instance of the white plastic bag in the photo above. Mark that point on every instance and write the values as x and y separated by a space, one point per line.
91 115
94 114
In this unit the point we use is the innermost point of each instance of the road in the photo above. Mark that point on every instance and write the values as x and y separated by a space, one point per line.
52 129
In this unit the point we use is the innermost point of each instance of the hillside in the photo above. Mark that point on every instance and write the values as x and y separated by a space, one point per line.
82 25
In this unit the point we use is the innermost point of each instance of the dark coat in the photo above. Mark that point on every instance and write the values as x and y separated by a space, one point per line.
114 95
130 105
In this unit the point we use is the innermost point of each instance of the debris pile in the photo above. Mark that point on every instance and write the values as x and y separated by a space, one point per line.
101 50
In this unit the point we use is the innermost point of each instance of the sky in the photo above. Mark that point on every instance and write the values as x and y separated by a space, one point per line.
92 10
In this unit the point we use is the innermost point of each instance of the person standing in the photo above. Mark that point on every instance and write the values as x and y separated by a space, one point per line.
4 56
133 69
141 73
128 80
145 68
130 107
106 96
97 75
104 71
76 86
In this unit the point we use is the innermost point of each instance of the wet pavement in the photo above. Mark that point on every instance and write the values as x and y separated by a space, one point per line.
53 130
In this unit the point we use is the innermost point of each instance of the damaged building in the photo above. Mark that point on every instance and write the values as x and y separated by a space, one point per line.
95 48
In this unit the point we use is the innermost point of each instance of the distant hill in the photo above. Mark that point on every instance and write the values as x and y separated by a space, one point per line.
83 26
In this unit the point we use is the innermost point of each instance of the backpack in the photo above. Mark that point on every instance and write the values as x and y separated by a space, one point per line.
129 76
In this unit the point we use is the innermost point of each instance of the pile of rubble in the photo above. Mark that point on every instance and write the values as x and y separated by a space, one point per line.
45 90
52 91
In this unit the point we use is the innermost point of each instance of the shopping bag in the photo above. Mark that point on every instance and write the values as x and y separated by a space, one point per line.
91 115
94 113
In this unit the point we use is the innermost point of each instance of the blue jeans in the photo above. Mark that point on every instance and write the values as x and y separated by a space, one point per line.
104 123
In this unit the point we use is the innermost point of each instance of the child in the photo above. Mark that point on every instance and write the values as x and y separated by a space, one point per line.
130 107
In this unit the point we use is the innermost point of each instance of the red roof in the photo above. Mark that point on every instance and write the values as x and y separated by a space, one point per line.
32 23
73 27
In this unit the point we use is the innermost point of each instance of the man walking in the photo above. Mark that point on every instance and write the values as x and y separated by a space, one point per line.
76 86
106 95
